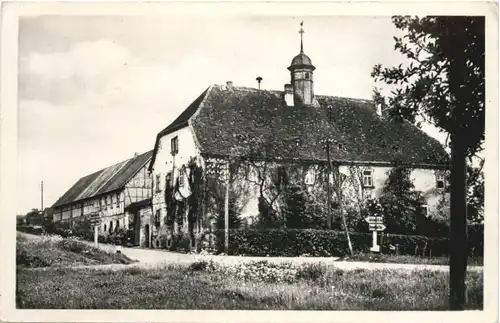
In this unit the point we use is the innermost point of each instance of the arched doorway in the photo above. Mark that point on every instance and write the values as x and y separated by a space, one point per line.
146 236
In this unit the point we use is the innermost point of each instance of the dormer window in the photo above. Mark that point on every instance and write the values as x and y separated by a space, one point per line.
367 179
174 145
440 181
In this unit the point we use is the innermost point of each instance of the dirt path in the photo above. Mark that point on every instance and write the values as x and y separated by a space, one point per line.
155 258
148 258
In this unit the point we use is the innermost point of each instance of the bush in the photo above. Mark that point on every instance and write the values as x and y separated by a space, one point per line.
312 272
179 242
84 230
323 243
121 237
25 257
61 228
73 244
38 230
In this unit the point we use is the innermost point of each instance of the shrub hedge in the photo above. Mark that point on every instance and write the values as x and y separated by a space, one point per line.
296 242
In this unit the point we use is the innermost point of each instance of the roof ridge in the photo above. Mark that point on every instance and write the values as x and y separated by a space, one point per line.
98 174
252 89
123 161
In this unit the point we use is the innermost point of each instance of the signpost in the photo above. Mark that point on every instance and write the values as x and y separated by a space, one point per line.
375 224
96 222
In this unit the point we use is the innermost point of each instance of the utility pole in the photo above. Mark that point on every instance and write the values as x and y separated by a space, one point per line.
329 168
41 191
226 211
41 198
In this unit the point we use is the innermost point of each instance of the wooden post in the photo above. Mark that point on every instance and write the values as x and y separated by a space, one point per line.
226 212
328 190
338 191
96 236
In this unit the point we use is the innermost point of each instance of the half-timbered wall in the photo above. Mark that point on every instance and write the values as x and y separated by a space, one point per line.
110 206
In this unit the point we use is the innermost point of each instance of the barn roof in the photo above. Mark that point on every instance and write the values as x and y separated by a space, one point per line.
106 180
242 121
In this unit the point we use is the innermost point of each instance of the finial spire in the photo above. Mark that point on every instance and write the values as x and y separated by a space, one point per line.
301 32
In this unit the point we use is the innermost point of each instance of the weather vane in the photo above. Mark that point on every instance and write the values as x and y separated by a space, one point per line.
301 32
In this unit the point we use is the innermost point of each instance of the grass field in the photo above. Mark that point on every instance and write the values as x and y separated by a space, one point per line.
406 259
308 287
54 251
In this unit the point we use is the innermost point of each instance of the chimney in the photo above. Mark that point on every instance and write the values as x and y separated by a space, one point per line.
136 154
229 85
289 95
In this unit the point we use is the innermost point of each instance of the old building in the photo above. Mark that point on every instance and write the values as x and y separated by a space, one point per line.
280 131
107 193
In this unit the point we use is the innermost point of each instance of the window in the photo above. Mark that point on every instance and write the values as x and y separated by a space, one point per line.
105 227
440 181
111 227
181 178
174 145
111 200
307 76
367 178
117 224
117 198
158 182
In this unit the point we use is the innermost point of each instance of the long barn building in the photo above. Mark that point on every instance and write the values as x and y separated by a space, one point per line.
109 192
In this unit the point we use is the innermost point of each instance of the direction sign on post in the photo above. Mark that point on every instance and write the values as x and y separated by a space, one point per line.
95 221
377 227
376 223
374 219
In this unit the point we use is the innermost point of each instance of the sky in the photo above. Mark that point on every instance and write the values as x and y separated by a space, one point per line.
94 90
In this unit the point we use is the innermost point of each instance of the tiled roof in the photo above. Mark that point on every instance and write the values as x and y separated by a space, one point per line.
139 204
249 122
104 181
180 122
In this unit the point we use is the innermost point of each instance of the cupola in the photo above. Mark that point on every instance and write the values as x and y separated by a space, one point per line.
301 70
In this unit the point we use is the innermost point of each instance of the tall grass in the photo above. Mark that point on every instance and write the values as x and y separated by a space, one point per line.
314 287
55 251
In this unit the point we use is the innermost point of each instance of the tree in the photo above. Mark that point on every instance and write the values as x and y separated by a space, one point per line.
400 201
443 83
234 214
294 208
